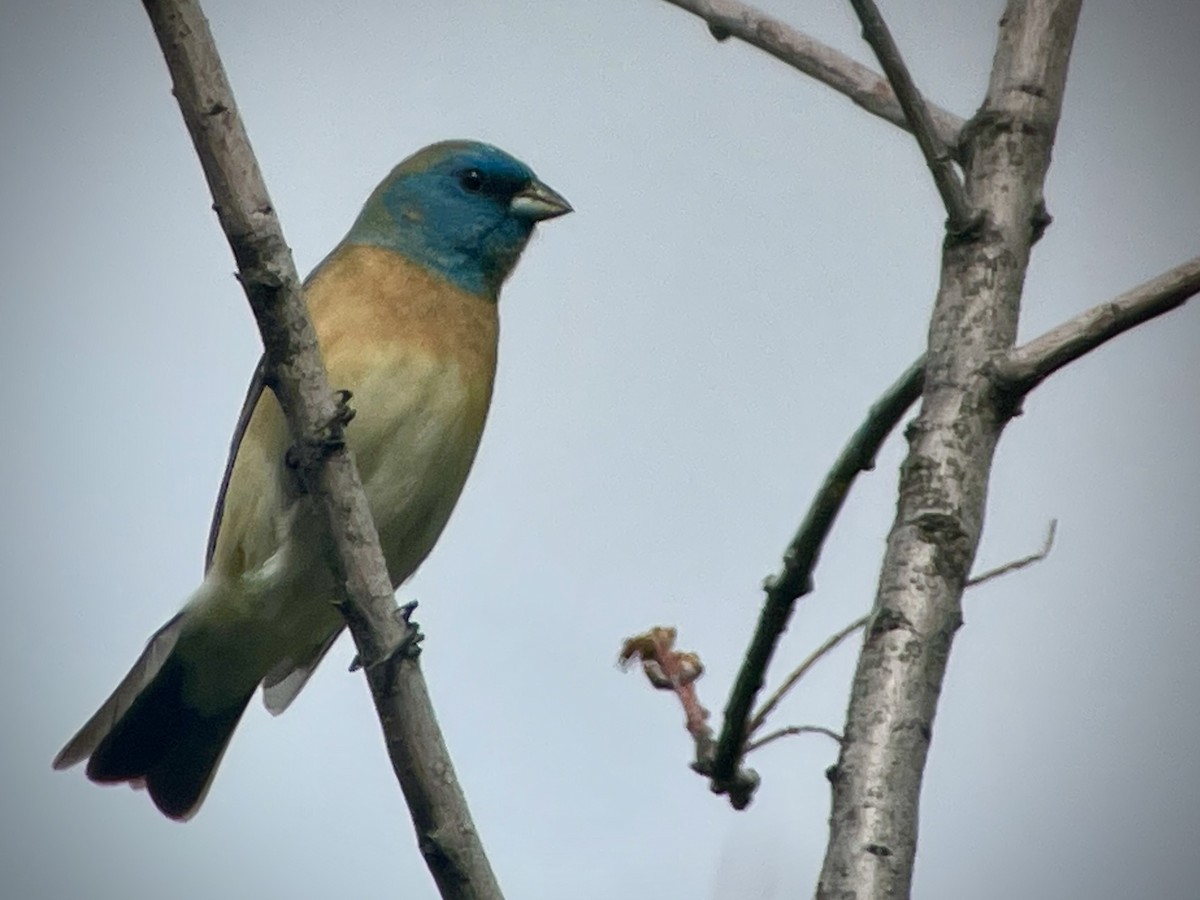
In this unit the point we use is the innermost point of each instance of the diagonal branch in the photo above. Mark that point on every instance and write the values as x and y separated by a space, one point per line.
419 757
760 717
799 561
789 731
1024 368
1018 564
730 18
916 113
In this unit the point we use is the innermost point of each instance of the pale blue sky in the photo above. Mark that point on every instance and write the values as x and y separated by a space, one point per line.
752 260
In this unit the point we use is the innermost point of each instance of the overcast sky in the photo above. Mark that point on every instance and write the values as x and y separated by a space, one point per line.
752 260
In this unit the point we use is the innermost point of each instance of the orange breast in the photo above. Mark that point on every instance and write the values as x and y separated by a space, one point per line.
367 302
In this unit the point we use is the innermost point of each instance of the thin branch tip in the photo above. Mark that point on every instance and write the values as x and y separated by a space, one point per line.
963 222
759 719
1021 563
793 730
862 86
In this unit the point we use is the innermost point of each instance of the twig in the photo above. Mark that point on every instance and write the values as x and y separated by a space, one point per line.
799 560
419 757
875 32
668 669
836 639
801 670
729 18
1024 368
1018 563
792 730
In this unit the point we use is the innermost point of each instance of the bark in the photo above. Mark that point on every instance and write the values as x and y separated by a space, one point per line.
1025 367
296 373
943 484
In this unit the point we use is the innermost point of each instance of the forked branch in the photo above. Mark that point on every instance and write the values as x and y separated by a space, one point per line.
760 717
961 218
800 559
730 18
902 667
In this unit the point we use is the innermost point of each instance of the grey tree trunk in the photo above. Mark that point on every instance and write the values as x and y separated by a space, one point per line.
943 484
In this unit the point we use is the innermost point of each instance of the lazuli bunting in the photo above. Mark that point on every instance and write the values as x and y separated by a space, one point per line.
405 312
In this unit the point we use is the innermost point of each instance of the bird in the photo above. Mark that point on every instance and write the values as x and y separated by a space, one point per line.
405 312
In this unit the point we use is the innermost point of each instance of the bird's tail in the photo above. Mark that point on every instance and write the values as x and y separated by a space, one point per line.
148 734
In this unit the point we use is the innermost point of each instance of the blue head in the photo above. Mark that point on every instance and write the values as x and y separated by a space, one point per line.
462 209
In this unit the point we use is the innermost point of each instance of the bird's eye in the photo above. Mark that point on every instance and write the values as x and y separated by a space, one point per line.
471 180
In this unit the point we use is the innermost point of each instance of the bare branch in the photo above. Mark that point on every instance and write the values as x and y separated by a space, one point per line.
867 89
792 730
422 764
1027 366
962 219
835 639
799 561
898 680
801 670
1019 563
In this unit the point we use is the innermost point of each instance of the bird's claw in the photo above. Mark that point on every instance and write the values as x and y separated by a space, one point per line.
408 647
330 439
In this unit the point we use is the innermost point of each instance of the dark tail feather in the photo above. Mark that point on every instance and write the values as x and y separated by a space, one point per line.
147 734
167 745
88 738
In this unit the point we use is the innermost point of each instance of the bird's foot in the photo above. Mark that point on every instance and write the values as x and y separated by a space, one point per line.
330 439
408 647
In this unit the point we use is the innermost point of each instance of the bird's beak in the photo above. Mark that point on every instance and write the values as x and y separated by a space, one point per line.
538 202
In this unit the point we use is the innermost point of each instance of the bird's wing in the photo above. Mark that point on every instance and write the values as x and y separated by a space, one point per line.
258 383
